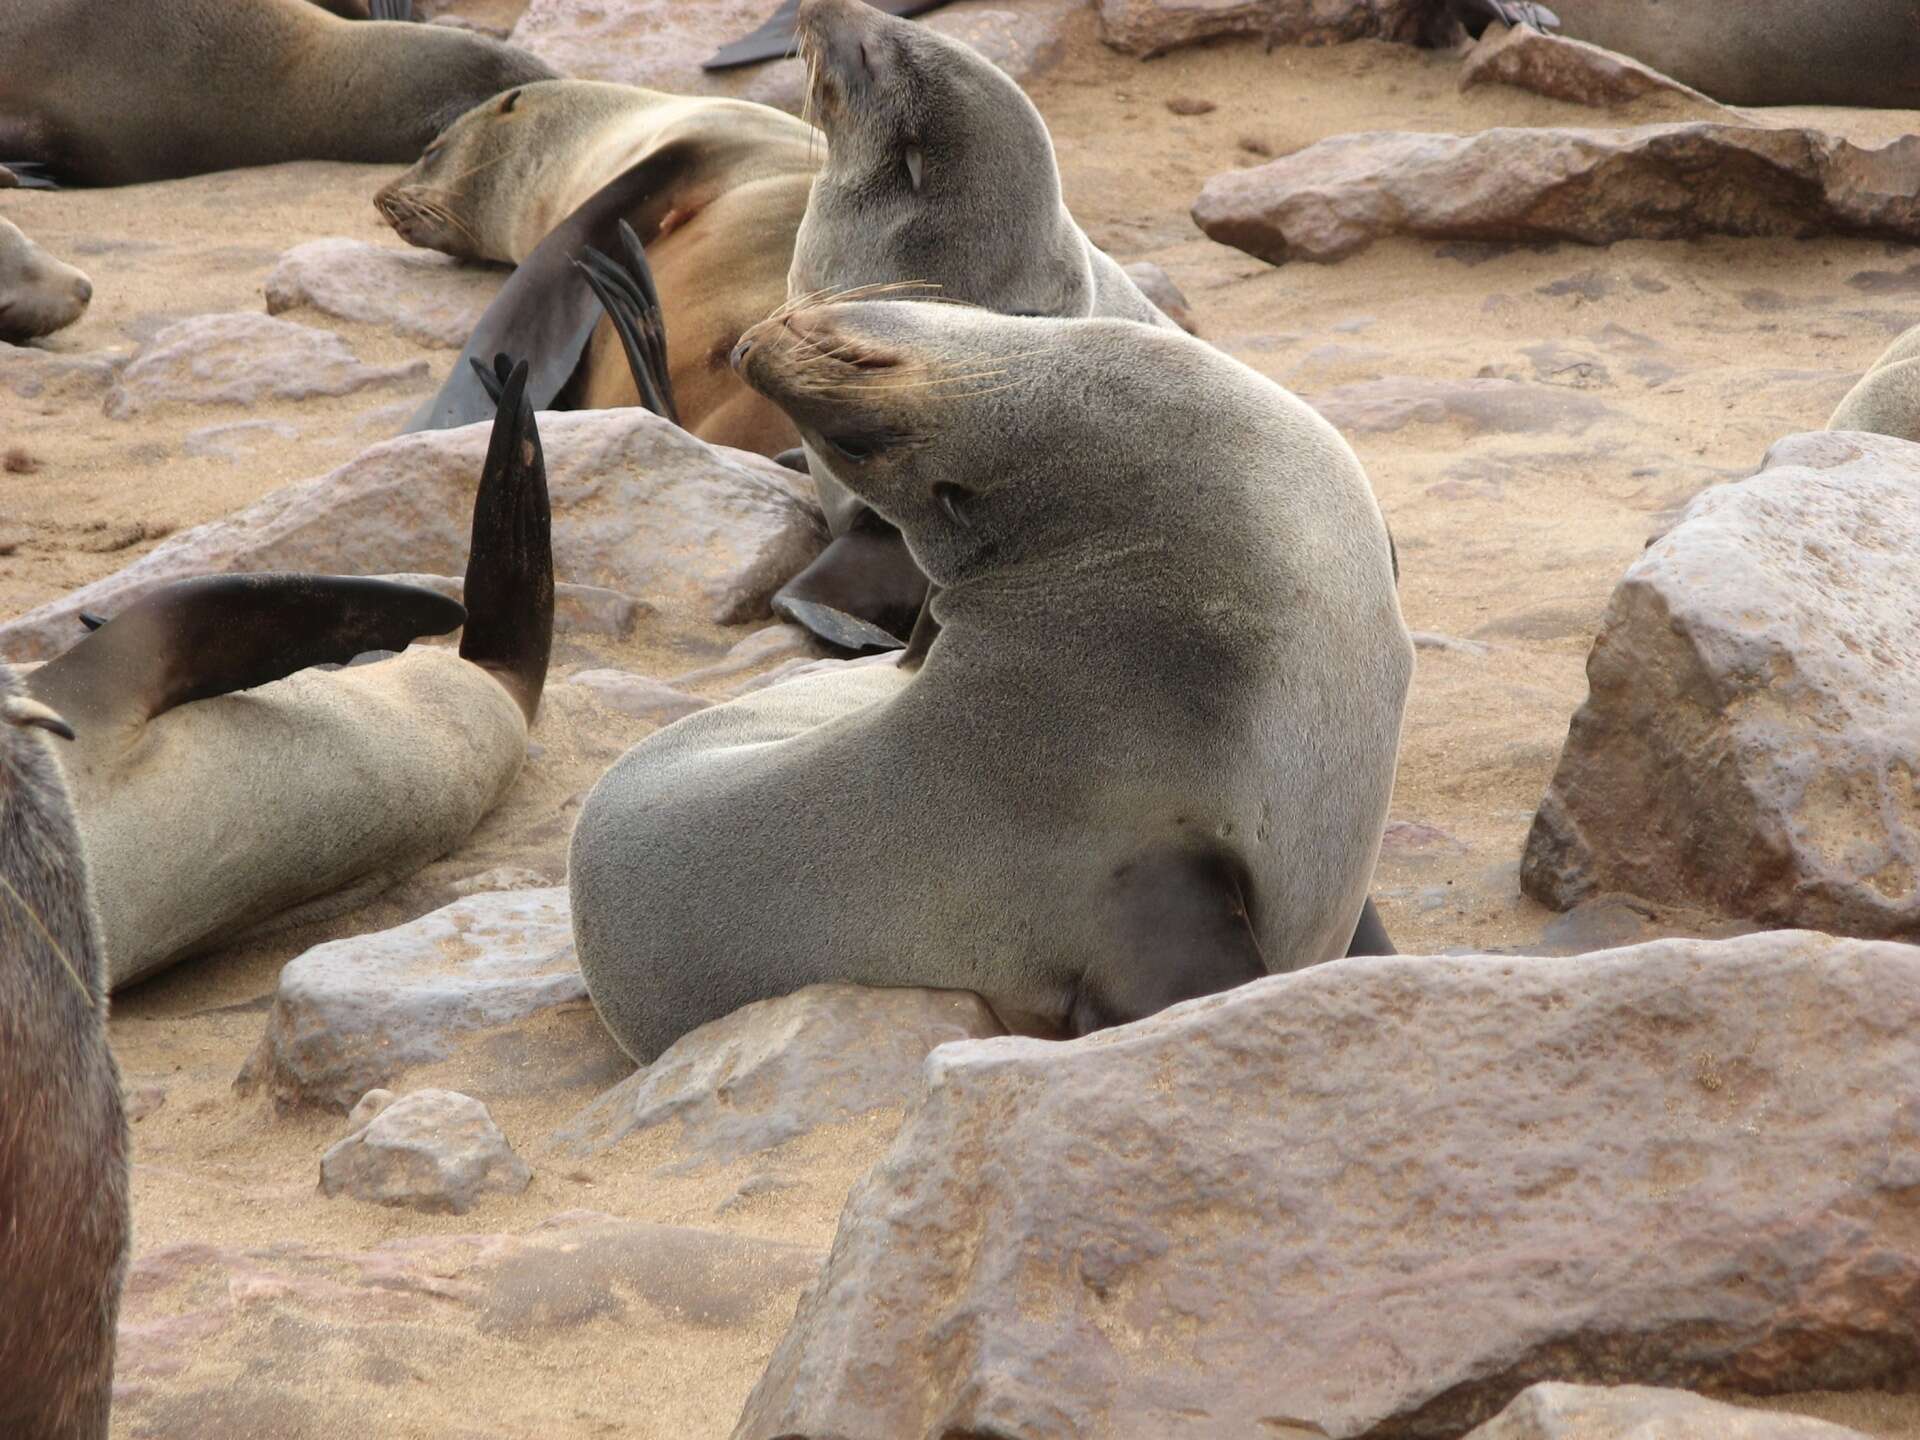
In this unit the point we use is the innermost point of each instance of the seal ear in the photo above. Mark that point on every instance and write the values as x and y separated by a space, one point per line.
628 295
509 587
195 639
1178 929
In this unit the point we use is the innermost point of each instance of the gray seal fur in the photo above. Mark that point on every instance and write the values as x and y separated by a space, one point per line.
38 294
1147 756
1886 401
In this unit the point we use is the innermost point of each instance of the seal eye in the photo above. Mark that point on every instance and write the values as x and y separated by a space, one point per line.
916 166
951 498
850 447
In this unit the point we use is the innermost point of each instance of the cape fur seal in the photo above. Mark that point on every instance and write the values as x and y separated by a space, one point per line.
776 37
1887 399
63 1138
180 87
1755 52
38 294
1147 756
208 813
713 188
939 174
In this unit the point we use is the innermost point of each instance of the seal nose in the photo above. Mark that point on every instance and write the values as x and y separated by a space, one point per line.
741 349
83 290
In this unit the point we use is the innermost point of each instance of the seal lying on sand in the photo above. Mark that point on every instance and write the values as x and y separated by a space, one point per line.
1147 757
38 294
181 87
1755 52
1887 399
211 807
713 188
63 1138
940 175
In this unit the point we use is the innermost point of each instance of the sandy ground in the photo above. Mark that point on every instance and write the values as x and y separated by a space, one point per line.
1694 358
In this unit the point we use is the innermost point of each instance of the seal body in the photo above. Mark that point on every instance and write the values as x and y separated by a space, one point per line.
38 294
1147 756
181 87
722 187
63 1136
1886 401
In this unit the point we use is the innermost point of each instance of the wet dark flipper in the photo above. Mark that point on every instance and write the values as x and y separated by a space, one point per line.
509 586
925 631
836 627
390 9
195 639
1370 935
26 175
776 38
626 292
1476 15
866 573
91 620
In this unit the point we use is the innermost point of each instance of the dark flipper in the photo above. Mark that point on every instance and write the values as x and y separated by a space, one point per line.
1370 935
546 311
866 573
794 459
26 175
1177 929
626 292
776 38
390 9
1475 15
91 620
509 585
925 631
195 639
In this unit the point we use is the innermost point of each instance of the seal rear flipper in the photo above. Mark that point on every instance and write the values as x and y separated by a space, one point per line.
867 573
390 9
1370 935
1176 929
509 586
776 38
546 311
627 293
195 639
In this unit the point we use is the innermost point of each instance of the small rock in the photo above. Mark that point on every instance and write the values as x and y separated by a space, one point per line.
243 358
235 441
1152 27
433 1150
1573 70
1434 640
36 374
638 696
1191 105
1551 1411
1158 287
1491 406
780 1068
371 1104
144 1101
415 293
19 461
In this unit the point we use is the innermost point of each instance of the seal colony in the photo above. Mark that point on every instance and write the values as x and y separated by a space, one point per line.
221 784
1122 776
265 81
64 1226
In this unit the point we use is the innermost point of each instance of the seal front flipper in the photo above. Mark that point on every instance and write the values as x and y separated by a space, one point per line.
627 293
1370 935
509 587
26 175
1175 927
776 38
867 573
195 639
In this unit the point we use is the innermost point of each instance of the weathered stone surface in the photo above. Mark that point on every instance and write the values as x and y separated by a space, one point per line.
640 508
433 1150
300 1341
243 358
1381 1197
1640 1412
236 440
355 1014
1749 743
1481 407
1158 287
780 1068
1566 69
637 695
416 293
49 375
1153 27
1651 182
767 645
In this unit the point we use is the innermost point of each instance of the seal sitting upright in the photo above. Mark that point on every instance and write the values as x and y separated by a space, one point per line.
1146 757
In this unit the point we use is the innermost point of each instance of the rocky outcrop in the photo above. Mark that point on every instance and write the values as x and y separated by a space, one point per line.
433 1150
1749 742
640 509
414 293
1158 287
1639 1412
1651 182
1572 70
1153 27
1382 1197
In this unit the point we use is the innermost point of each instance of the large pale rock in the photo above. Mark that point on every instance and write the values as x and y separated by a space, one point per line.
640 508
1751 735
1153 27
1381 1197
780 1068
1640 1412
1480 406
1573 70
354 1014
243 358
1651 182
452 1336
433 1150
421 295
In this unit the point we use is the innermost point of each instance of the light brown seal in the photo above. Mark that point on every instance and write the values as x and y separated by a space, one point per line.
38 294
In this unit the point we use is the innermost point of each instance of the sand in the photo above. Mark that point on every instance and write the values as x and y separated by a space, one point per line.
1692 358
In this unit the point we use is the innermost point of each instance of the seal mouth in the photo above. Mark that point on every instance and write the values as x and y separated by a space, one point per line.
420 218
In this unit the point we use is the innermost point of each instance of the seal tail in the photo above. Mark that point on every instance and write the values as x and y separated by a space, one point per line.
509 586
628 295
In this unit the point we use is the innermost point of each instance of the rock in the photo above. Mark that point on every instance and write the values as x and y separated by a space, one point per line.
1372 407
1573 70
242 358
1158 287
577 609
1653 182
235 441
1748 744
356 1014
36 374
1638 1412
765 646
1381 1197
638 696
415 293
640 508
1152 27
296 1340
433 1150
780 1068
